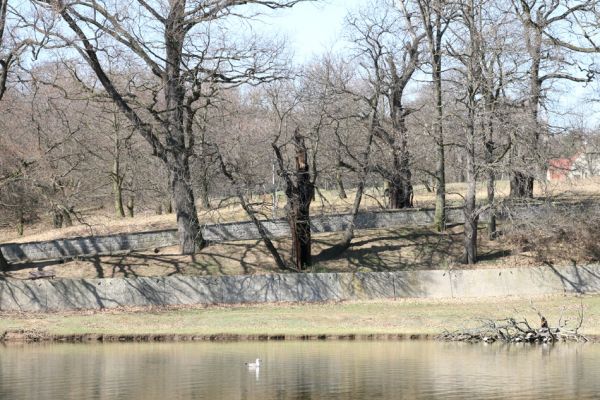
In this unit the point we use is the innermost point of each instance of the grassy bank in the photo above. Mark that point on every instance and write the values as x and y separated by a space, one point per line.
401 317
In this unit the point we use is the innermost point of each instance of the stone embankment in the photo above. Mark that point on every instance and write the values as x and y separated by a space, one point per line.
82 294
121 243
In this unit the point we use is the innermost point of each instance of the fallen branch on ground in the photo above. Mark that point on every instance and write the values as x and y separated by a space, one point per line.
512 330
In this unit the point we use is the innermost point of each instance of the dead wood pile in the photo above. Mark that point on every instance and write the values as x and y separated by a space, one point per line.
512 330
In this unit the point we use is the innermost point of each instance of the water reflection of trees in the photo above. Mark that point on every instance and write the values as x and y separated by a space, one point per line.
298 370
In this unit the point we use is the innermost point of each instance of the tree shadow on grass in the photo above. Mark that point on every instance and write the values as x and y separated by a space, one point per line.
394 250
373 250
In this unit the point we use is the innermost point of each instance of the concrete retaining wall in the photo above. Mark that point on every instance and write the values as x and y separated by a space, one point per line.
114 244
62 295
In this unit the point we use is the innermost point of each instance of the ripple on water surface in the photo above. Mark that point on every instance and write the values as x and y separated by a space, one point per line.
300 370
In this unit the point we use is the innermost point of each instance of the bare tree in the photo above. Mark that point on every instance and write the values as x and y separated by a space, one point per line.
4 64
10 49
178 45
402 64
436 16
299 192
469 56
545 24
371 55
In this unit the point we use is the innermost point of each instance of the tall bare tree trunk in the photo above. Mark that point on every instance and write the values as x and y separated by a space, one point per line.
400 190
5 61
490 147
440 170
57 217
470 211
175 152
177 159
118 188
490 183
435 24
338 168
300 196
521 180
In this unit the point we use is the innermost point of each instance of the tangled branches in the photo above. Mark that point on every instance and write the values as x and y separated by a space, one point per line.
512 330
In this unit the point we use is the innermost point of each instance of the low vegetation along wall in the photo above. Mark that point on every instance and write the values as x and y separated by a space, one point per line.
62 295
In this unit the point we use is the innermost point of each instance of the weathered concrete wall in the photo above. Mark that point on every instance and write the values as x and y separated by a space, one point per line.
61 295
114 244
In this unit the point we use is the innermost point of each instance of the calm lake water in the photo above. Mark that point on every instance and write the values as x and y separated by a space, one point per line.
300 370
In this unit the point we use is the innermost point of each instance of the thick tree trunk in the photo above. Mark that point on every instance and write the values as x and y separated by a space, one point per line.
301 238
440 190
521 185
473 75
175 150
301 195
470 247
118 193
3 262
470 211
401 190
188 225
177 158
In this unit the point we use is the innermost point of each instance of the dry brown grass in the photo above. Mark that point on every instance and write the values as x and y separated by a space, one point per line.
103 222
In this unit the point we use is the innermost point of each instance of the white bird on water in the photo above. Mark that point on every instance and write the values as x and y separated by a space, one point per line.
255 364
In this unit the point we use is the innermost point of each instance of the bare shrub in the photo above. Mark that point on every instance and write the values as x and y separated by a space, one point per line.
554 233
